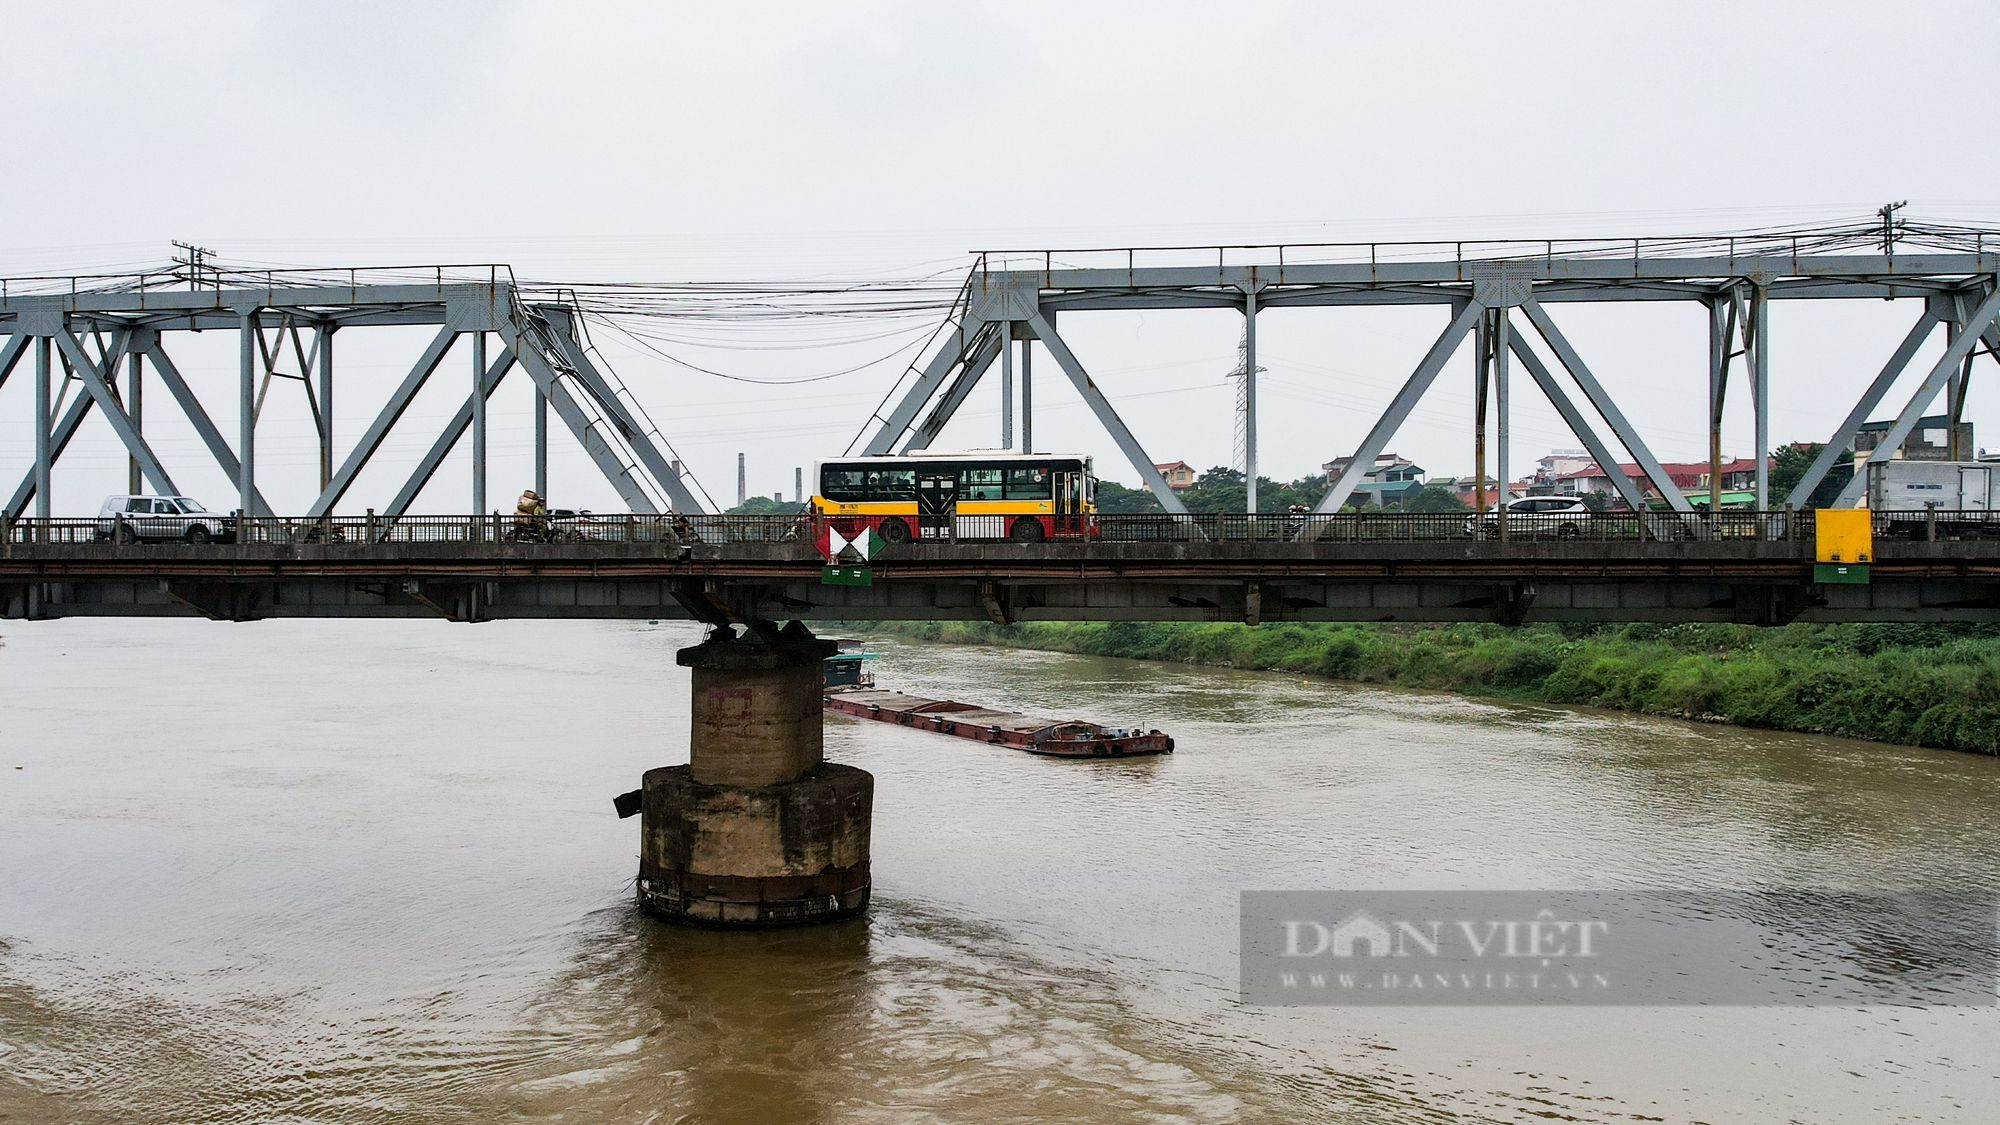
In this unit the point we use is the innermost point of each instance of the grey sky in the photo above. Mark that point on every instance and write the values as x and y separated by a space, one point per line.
679 143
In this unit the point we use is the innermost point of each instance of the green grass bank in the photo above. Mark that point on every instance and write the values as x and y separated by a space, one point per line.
1923 685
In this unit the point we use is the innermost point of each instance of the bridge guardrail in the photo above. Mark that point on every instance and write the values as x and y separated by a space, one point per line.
1279 527
579 527
1426 527
1152 527
1932 523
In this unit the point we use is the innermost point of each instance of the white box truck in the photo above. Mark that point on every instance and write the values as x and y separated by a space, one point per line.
1945 498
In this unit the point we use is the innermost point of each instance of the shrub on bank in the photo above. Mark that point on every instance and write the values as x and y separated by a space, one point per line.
1927 685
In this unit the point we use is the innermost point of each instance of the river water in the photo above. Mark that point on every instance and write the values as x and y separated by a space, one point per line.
369 872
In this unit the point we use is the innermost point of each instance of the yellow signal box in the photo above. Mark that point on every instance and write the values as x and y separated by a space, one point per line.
1843 544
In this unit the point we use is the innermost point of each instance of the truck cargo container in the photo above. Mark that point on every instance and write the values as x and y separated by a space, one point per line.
1926 499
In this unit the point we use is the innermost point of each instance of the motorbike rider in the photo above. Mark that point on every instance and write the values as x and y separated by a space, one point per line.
1295 521
531 516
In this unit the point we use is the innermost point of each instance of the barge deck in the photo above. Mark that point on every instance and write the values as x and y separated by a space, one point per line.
1060 739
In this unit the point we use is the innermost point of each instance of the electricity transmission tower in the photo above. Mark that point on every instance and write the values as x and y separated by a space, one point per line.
1239 457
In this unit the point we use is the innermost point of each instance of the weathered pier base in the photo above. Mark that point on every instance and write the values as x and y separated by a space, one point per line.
758 829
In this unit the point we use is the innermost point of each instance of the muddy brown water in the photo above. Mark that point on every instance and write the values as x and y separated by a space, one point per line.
369 872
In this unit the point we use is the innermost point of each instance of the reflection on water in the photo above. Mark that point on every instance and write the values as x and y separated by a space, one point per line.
369 872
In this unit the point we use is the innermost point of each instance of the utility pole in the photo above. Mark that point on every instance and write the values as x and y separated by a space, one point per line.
1888 213
742 493
199 259
798 484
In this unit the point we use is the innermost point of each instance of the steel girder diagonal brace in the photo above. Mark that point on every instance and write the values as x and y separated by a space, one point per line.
562 329
528 354
1399 408
962 385
371 440
11 353
446 440
961 346
1608 410
114 411
1842 438
61 431
218 446
1106 416
1578 424
1962 341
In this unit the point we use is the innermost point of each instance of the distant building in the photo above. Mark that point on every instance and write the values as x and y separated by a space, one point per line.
1179 475
1393 480
1461 487
1738 473
1466 489
1929 440
1558 464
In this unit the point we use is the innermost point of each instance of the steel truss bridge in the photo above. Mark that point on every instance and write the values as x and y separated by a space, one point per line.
123 322
1752 568
1502 296
1948 272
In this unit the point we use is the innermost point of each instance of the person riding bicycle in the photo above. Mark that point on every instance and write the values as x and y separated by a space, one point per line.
531 517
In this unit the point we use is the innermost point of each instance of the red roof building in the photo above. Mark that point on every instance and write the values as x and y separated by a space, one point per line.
1178 475
1689 476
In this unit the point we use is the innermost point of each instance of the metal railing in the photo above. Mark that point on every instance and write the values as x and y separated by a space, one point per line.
668 530
1865 237
1935 524
213 276
672 530
1424 527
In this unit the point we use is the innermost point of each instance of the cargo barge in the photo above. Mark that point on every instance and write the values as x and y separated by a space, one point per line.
999 728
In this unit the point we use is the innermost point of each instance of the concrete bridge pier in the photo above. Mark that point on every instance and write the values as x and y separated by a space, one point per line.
758 829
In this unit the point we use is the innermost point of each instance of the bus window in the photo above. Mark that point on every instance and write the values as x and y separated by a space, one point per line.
979 484
892 486
1028 484
843 486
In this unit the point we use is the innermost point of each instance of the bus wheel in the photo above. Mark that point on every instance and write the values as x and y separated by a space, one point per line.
894 530
1029 531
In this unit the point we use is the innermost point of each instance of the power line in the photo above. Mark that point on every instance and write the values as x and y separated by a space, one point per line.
641 340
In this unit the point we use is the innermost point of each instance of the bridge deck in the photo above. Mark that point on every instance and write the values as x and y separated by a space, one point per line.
1748 580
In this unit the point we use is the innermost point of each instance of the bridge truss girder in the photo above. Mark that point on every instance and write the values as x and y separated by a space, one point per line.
91 333
1022 305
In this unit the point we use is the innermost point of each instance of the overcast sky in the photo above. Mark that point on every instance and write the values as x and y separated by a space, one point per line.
685 143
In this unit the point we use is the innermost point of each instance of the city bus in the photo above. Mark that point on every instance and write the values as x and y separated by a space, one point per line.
1026 497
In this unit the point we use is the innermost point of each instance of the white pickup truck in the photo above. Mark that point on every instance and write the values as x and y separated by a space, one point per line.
1958 497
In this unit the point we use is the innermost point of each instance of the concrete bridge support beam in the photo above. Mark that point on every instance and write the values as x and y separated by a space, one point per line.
758 829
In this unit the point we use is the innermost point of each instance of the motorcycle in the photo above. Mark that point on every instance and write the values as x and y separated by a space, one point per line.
542 530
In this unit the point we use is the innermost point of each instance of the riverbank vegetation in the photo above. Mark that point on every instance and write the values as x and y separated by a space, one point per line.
1925 685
